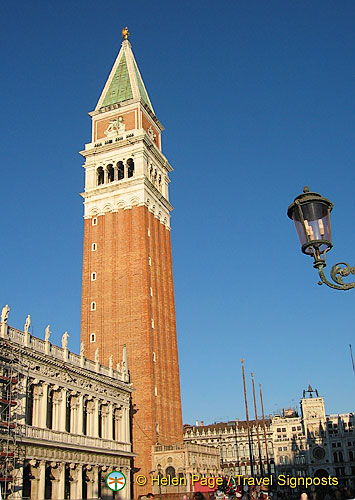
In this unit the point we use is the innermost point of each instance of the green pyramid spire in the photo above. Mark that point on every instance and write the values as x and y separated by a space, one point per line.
125 81
120 88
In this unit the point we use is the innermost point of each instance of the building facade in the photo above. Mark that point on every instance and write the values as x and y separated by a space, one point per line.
232 441
313 444
65 421
127 291
181 462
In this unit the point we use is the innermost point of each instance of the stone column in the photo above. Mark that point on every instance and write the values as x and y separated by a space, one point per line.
43 406
63 411
80 409
104 421
74 407
121 433
38 471
126 424
92 485
57 401
126 492
109 422
37 399
76 485
96 418
90 409
58 483
117 423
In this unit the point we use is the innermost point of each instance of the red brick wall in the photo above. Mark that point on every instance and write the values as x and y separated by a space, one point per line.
123 316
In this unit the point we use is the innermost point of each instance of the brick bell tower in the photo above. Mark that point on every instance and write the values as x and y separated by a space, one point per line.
127 289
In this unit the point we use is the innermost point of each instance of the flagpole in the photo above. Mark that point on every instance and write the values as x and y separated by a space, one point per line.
266 447
257 426
247 418
352 359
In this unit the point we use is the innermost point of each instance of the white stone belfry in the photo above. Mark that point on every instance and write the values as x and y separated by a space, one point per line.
124 164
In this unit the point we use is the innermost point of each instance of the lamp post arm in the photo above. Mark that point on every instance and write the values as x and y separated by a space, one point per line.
337 273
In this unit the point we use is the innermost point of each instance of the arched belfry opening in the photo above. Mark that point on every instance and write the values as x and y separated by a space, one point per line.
100 176
110 173
130 167
120 170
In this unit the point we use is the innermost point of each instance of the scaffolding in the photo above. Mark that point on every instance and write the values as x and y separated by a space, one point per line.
11 413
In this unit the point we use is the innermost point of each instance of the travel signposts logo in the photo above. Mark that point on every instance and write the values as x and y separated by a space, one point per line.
116 481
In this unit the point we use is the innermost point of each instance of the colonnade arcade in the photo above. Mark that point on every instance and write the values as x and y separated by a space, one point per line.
52 407
115 172
45 479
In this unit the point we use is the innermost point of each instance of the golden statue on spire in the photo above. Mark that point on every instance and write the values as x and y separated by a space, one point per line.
125 33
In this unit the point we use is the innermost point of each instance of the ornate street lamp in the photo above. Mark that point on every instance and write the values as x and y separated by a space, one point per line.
311 214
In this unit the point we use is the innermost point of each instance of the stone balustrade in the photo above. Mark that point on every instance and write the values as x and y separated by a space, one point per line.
76 440
56 352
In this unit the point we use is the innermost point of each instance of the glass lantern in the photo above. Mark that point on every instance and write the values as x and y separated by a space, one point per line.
311 214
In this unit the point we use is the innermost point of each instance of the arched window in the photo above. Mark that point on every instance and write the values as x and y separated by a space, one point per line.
100 176
110 173
67 413
93 306
93 276
27 476
99 424
49 418
48 482
67 480
85 417
130 167
29 405
120 170
84 482
170 471
92 337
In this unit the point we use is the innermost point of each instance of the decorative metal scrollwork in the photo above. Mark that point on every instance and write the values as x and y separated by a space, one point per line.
338 272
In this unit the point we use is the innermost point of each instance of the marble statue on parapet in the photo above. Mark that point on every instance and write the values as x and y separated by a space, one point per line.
118 367
27 324
82 348
65 337
47 333
124 359
110 362
5 313
97 355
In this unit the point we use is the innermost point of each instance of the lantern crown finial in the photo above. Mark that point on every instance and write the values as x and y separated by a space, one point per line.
306 189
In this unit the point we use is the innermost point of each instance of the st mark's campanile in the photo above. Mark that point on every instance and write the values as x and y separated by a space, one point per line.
127 288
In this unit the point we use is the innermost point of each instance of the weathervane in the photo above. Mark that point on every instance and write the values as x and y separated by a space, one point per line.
125 33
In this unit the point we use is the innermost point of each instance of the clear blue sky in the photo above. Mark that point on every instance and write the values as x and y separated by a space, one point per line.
256 98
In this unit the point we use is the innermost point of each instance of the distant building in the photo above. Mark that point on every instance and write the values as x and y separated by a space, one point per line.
313 444
181 461
231 439
65 420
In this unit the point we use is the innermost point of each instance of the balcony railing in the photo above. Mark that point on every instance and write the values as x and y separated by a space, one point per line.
66 438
